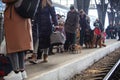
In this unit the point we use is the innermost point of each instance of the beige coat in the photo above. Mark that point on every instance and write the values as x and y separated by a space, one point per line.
18 32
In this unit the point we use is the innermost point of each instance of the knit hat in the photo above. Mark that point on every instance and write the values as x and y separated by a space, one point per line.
72 7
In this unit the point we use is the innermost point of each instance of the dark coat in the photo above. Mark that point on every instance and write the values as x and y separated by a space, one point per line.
45 18
72 22
99 24
84 23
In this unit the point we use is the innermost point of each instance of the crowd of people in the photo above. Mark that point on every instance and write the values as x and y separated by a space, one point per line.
23 37
113 30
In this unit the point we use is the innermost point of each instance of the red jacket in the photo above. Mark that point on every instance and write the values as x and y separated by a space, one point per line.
97 31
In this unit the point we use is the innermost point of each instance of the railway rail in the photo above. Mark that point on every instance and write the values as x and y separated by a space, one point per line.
114 73
107 68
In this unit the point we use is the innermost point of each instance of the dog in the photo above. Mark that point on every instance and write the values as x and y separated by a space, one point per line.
89 34
75 48
98 38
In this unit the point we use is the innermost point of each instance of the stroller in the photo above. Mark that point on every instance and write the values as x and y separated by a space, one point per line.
57 39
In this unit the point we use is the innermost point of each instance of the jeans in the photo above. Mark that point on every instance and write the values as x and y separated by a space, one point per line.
17 60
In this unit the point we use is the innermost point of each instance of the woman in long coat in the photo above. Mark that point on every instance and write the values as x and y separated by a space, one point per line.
18 37
45 18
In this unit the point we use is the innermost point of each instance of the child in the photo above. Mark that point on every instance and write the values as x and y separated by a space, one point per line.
58 38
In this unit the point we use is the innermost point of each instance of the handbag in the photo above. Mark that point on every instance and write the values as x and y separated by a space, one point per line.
5 65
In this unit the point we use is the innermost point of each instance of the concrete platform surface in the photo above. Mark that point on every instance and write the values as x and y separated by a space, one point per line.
62 66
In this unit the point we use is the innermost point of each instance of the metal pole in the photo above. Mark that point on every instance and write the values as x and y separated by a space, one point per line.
82 4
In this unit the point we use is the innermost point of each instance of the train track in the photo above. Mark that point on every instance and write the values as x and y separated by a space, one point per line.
114 73
105 69
111 72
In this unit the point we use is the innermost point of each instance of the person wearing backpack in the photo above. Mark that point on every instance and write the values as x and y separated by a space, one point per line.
18 40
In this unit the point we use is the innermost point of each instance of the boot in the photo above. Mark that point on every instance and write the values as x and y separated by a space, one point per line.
33 59
39 54
45 57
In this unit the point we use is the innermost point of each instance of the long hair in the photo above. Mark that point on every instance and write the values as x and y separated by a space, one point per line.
46 2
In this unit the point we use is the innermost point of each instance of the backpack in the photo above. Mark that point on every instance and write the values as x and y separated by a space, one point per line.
26 8
5 65
8 1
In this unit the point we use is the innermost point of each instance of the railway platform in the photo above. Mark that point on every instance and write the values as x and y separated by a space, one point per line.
63 66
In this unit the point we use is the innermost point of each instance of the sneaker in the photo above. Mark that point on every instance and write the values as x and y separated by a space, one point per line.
33 61
9 75
13 76
24 74
19 76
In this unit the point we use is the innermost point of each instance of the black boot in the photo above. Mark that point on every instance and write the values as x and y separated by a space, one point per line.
39 54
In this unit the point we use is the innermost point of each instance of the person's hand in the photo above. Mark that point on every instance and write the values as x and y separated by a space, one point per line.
56 26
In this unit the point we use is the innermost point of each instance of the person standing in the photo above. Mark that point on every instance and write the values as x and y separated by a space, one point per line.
18 40
35 33
99 24
114 31
45 18
118 30
71 25
84 25
108 32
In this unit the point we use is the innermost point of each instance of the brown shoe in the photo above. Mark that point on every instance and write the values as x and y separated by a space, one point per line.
33 59
45 57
